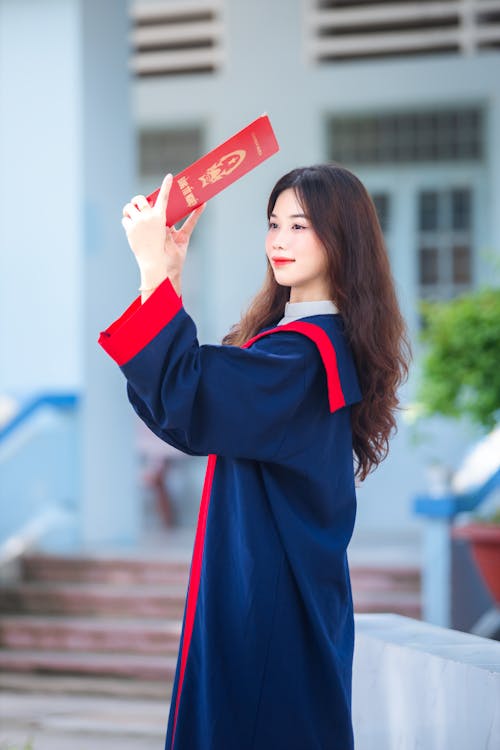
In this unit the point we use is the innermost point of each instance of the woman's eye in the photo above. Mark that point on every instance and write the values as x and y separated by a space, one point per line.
298 226
272 225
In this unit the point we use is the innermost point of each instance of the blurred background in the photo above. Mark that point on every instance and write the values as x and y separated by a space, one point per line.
98 100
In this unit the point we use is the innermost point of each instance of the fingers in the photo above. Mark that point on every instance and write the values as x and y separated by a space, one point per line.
192 220
162 197
140 201
127 223
131 211
136 205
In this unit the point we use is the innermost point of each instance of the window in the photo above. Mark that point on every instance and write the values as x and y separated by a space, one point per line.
168 150
444 242
407 137
381 201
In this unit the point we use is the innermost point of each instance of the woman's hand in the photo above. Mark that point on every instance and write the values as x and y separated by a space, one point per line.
159 250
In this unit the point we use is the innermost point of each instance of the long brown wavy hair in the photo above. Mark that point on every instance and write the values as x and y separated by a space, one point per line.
344 218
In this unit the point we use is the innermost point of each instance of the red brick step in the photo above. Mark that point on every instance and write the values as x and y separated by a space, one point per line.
87 663
90 634
93 599
387 588
386 578
111 570
406 603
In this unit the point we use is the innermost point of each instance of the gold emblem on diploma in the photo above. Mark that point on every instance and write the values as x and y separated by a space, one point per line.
222 167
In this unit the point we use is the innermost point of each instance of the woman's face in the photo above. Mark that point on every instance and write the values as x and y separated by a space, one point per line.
291 237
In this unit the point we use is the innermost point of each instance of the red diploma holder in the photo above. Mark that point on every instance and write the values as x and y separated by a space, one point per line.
219 168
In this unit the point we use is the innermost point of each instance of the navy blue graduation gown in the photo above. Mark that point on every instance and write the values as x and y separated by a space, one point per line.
265 658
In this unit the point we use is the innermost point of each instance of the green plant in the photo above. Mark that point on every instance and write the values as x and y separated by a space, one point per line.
461 361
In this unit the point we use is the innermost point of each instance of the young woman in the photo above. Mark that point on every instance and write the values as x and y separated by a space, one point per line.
300 389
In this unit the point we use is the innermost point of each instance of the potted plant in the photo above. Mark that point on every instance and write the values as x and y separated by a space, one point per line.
461 378
483 534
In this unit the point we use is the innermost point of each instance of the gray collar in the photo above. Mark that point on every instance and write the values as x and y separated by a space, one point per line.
296 310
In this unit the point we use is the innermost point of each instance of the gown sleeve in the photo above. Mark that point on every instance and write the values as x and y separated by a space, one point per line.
206 399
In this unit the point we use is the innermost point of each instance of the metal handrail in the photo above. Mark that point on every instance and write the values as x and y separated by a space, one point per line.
57 400
453 503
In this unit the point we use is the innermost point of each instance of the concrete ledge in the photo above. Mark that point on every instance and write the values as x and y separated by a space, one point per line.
418 685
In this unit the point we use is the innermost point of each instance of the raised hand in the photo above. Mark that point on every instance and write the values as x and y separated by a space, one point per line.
160 251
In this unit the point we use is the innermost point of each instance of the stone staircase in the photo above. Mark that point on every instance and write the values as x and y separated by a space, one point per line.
111 620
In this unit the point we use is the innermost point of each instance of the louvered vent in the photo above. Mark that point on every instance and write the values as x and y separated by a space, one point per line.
174 37
356 29
488 24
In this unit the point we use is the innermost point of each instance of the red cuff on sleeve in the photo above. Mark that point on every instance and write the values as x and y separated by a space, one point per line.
140 323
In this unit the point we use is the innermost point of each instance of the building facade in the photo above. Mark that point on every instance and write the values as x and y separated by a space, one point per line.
99 100
406 95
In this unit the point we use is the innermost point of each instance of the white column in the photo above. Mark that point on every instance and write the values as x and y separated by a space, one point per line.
67 156
110 511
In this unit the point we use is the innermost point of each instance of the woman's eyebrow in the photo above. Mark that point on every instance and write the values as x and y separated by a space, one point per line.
293 216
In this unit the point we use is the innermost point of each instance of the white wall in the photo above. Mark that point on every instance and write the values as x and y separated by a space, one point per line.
266 71
40 196
417 685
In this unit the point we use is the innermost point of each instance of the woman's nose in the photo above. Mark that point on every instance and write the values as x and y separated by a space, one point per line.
278 241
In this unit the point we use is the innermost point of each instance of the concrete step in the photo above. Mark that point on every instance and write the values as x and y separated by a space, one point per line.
93 599
67 684
90 634
107 716
51 721
114 570
142 667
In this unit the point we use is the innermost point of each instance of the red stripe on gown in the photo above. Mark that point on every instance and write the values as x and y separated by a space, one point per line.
194 577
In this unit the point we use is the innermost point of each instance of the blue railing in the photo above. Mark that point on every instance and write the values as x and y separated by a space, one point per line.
451 504
32 405
39 473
